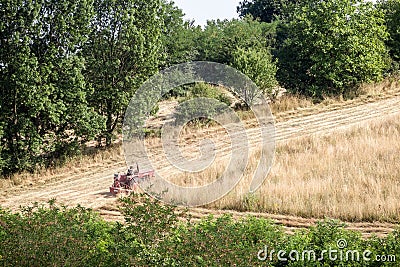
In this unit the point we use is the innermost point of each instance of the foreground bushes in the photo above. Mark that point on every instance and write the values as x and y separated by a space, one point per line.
52 236
156 235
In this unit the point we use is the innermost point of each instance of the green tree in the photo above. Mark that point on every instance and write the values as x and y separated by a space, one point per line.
265 10
392 18
178 37
122 51
258 65
44 113
220 39
332 47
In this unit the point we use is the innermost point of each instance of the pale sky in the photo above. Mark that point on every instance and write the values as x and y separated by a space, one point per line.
203 10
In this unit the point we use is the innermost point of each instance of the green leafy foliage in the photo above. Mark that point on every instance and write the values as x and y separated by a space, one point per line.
208 91
155 234
140 211
53 236
259 66
178 37
220 39
212 102
43 111
198 111
243 44
333 46
265 10
392 18
147 224
222 241
121 53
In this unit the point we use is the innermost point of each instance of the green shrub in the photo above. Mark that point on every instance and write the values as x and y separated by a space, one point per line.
222 241
203 101
154 234
259 66
53 236
208 91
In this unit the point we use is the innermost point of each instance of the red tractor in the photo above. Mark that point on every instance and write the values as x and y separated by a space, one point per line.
126 183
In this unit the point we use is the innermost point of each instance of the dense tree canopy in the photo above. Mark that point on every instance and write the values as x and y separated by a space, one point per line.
43 109
265 10
179 37
392 18
333 46
220 39
244 44
122 51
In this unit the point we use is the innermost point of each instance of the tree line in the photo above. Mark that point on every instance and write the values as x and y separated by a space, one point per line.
69 68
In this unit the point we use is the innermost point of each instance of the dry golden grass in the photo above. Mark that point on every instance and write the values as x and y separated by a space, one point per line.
93 159
103 159
290 102
352 175
202 178
389 85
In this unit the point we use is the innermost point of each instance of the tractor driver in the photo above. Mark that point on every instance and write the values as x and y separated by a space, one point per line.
130 171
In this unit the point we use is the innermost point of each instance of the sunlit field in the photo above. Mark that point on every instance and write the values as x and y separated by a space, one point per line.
352 175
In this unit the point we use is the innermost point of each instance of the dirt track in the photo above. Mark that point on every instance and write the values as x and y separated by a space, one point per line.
90 188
